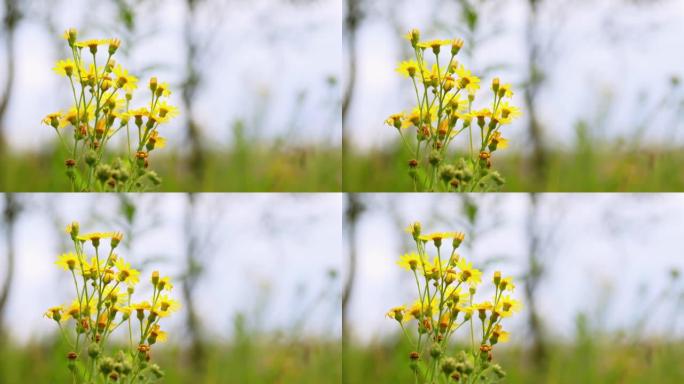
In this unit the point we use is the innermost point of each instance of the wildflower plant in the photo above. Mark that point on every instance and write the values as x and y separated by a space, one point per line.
445 112
446 305
102 110
104 286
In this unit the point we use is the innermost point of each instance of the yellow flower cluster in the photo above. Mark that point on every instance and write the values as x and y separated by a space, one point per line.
446 288
446 95
104 288
102 97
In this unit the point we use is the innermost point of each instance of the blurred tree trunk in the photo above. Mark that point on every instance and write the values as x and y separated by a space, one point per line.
532 278
354 210
539 156
197 159
9 217
190 278
351 25
9 25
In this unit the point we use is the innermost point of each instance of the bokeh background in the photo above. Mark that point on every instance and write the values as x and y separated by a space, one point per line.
257 276
599 276
256 83
599 83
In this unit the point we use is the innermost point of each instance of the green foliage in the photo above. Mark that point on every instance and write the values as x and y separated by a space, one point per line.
591 360
242 168
587 167
254 362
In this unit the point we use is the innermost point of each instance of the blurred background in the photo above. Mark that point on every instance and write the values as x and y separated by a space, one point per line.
599 276
257 276
256 83
599 83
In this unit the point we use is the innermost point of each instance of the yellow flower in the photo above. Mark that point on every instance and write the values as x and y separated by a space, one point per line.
167 304
395 120
434 44
437 237
164 283
506 90
166 111
55 313
469 274
508 306
506 284
498 335
156 141
96 236
425 308
65 67
163 90
408 68
69 261
413 36
52 119
92 44
497 141
508 112
397 313
126 274
410 261
156 334
467 80
124 80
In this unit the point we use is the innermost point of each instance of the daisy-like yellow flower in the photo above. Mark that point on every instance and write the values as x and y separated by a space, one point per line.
140 308
156 334
52 119
55 313
506 90
410 261
469 274
164 284
408 68
155 141
92 44
425 308
124 80
413 36
126 274
466 80
397 313
70 35
506 284
168 304
65 67
96 236
166 111
163 90
414 228
498 335
496 141
508 112
434 44
482 308
395 120
509 305
456 296
69 261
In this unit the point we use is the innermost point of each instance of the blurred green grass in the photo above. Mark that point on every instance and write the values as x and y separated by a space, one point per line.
247 361
611 167
264 168
593 359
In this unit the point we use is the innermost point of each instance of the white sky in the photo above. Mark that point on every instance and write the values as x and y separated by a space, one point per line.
269 256
605 250
263 56
605 52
